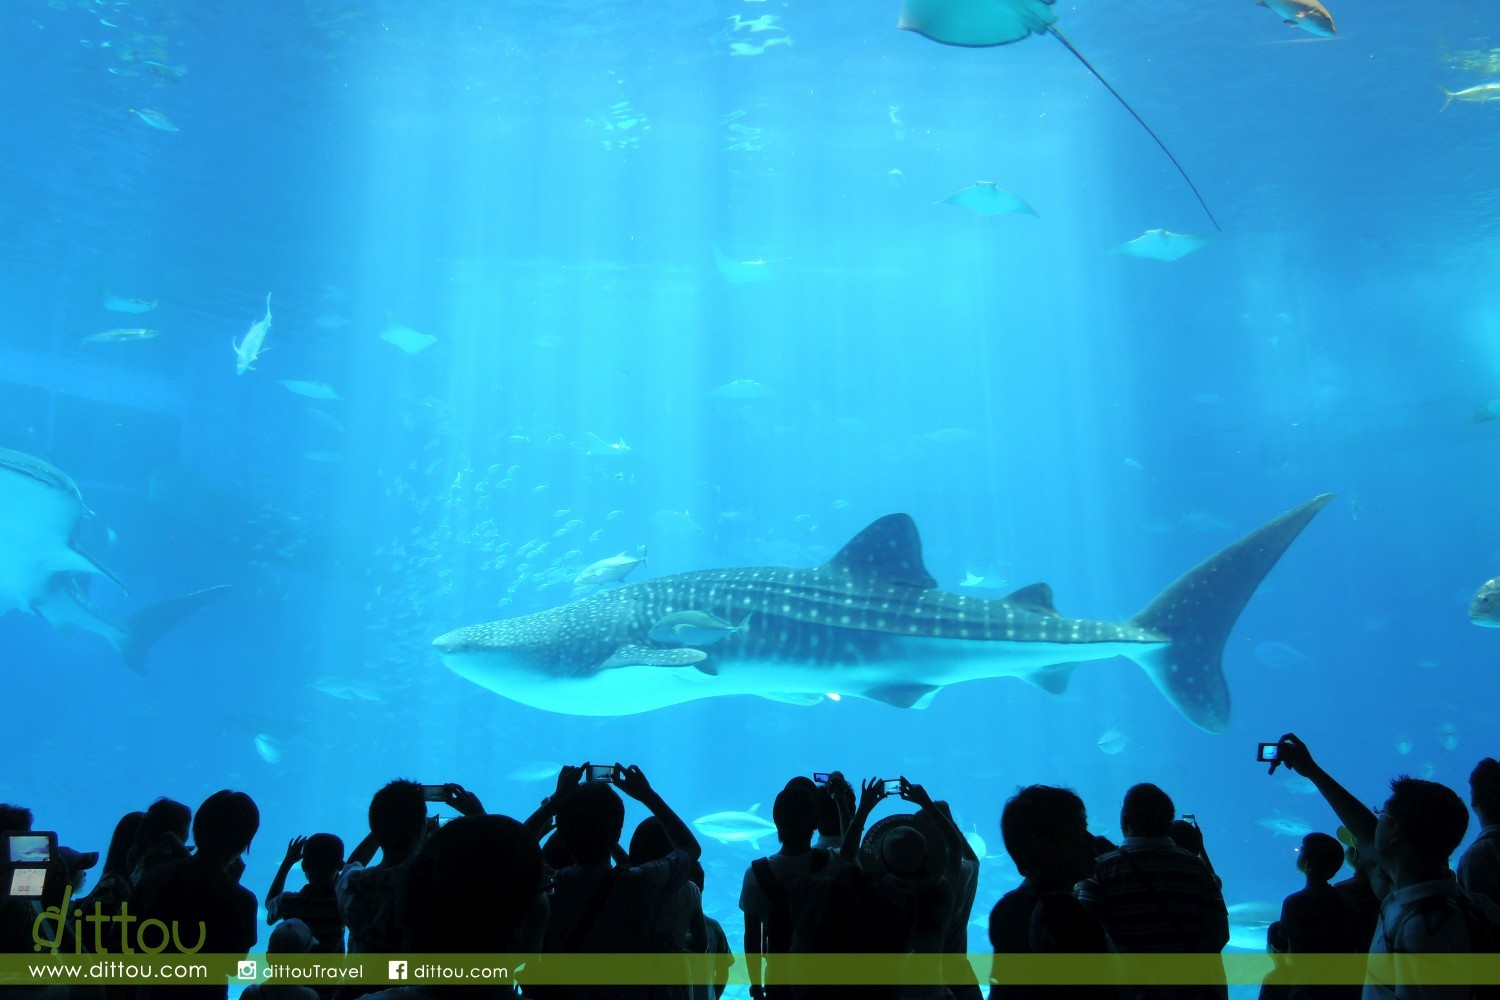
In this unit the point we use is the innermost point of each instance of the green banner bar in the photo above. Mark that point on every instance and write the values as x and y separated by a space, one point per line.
816 970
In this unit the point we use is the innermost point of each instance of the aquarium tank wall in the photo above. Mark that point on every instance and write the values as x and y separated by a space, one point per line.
838 397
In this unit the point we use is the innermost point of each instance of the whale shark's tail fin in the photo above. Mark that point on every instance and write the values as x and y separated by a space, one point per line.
141 630
1198 611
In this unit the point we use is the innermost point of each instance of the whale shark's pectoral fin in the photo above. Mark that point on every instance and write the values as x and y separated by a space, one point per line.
1052 679
647 656
904 695
70 560
1036 598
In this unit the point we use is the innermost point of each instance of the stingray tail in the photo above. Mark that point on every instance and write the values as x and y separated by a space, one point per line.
1197 612
1123 103
142 629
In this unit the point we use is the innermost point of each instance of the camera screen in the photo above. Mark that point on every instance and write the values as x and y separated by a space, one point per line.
30 847
821 777
893 786
27 881
601 772
433 793
1267 752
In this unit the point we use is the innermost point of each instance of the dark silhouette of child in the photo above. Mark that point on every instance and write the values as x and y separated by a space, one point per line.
317 906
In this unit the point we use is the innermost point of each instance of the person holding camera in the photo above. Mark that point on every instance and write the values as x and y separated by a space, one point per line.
598 908
1413 835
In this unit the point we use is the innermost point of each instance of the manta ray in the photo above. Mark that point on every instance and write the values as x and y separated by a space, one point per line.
989 23
43 572
870 623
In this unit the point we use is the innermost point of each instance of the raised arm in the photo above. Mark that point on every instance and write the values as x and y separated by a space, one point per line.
870 794
1351 812
632 782
278 884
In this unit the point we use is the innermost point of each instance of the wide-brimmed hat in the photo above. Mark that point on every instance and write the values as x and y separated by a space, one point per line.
78 861
905 845
291 936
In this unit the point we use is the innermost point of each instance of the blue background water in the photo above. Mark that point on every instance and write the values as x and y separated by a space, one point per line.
1044 409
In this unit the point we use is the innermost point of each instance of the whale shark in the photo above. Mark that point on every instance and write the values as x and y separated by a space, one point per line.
870 623
43 572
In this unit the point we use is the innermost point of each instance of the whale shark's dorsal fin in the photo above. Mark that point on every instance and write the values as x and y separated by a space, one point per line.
1036 597
888 551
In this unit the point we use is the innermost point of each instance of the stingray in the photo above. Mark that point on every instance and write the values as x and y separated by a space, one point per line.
985 23
989 198
1158 244
404 337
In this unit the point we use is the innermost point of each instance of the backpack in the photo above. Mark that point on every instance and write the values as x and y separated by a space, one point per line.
846 909
1484 932
777 929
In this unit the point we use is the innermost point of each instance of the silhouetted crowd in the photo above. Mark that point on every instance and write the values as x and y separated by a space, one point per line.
560 883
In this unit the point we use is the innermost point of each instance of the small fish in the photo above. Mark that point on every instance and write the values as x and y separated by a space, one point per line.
253 346
115 303
972 580
988 198
1158 244
268 748
155 119
1282 825
536 770
1484 610
1448 735
736 827
120 336
312 390
612 570
1309 15
1280 656
404 337
694 628
976 842
1482 94
744 272
347 689
740 389
600 447
1112 741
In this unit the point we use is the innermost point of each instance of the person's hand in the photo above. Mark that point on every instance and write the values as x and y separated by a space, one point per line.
915 794
568 779
1292 752
293 851
632 782
870 794
463 800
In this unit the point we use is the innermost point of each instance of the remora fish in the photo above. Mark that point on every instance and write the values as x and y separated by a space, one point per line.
122 336
248 350
870 623
42 572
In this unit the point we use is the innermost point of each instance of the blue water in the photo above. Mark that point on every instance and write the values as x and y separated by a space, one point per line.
1045 410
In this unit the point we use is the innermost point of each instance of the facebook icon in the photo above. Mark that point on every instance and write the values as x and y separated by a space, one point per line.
396 970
